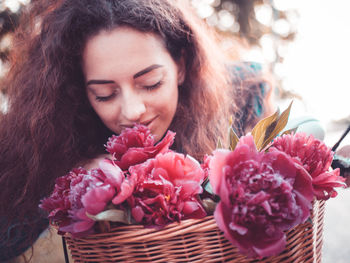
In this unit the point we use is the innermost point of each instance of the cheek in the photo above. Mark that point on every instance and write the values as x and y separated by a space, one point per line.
105 114
168 103
108 114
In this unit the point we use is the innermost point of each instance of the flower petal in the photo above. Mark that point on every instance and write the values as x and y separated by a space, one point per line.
137 213
216 165
96 199
126 190
114 174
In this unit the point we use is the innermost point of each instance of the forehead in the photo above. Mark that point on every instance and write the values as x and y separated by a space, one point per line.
123 48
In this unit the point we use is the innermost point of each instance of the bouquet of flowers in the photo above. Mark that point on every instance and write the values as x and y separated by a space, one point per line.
259 188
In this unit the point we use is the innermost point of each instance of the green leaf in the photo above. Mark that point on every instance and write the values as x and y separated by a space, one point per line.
268 128
113 215
260 128
281 123
209 205
233 139
290 131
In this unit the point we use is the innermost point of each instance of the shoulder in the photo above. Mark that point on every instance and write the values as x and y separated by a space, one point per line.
94 162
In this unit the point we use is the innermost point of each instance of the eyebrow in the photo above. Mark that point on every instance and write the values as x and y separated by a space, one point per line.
138 74
146 70
99 81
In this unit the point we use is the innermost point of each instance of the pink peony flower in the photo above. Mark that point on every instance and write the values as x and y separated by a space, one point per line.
82 192
116 178
167 190
316 158
136 145
262 195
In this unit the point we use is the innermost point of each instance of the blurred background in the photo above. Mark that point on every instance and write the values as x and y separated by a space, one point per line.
304 44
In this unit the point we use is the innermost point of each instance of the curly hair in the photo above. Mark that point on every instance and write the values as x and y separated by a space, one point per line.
50 125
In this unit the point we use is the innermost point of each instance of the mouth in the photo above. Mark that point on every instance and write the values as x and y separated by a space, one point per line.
148 122
145 123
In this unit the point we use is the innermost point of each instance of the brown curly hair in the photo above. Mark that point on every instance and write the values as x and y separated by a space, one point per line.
50 126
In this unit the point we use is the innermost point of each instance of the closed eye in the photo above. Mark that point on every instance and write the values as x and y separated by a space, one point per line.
105 98
152 87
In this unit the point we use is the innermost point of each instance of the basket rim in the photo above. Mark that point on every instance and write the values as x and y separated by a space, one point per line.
184 240
135 232
207 223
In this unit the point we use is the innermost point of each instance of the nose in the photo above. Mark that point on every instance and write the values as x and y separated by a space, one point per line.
133 106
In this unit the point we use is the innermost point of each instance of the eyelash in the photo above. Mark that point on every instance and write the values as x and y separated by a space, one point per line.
102 99
148 88
152 87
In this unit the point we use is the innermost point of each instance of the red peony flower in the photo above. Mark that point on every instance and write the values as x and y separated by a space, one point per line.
64 205
58 204
167 190
316 158
262 195
136 145
82 192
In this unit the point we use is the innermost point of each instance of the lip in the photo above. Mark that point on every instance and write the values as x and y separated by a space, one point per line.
148 122
145 123
127 125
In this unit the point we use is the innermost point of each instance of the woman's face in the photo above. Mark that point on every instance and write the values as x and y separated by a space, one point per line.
131 78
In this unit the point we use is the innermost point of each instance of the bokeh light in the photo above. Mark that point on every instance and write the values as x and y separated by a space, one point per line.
13 5
263 14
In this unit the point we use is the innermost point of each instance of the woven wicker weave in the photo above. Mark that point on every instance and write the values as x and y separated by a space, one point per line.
192 241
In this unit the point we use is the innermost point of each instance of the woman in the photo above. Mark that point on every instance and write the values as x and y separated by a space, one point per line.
85 69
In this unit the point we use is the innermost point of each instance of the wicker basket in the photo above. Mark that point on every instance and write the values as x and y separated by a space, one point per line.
192 241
